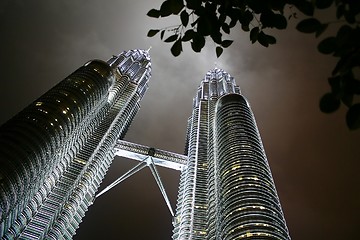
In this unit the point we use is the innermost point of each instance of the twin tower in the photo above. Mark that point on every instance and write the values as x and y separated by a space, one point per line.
55 153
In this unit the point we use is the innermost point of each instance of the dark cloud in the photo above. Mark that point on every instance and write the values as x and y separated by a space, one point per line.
313 157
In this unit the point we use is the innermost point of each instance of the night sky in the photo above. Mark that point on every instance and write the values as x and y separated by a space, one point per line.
314 158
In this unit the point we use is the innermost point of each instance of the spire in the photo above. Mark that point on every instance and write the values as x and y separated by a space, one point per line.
216 83
135 55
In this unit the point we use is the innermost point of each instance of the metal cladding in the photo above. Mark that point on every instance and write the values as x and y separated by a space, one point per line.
55 153
226 190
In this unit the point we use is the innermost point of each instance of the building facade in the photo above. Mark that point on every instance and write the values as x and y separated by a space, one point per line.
226 189
55 153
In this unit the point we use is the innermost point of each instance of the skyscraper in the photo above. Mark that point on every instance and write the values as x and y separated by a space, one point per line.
55 153
226 189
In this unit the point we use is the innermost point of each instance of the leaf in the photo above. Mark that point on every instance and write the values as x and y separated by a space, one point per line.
257 6
216 37
176 6
248 16
198 42
277 5
270 19
305 7
219 51
233 13
165 9
321 29
222 18
152 32
204 26
265 39
266 19
327 46
245 28
262 39
193 4
232 23
200 11
309 25
329 103
322 4
353 117
154 13
172 38
188 35
271 39
176 49
225 27
280 21
254 34
194 22
245 20
226 43
184 16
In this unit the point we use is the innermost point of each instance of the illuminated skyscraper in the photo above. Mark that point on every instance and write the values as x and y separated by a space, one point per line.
55 153
226 189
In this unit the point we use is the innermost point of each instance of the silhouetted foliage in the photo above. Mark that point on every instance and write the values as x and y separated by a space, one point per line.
201 20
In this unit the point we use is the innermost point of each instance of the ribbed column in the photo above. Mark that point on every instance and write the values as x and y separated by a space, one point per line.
212 218
201 185
90 166
32 143
226 191
183 220
248 202
57 151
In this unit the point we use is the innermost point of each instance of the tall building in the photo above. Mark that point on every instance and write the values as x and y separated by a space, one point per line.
55 153
226 189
